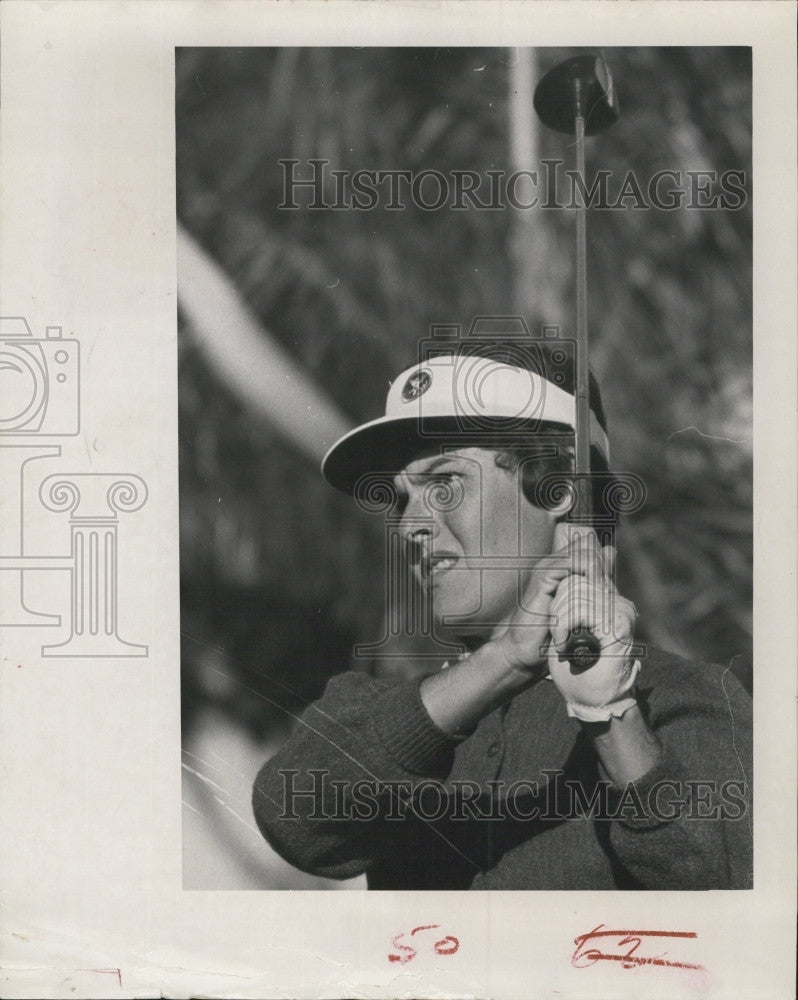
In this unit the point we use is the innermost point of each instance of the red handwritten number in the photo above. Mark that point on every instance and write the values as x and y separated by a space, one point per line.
629 961
446 946
410 953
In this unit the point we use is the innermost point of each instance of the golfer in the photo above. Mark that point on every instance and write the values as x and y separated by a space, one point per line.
512 767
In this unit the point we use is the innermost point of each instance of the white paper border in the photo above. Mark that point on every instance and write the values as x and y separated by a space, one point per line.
91 860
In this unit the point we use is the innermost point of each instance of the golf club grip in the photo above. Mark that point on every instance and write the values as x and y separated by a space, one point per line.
582 650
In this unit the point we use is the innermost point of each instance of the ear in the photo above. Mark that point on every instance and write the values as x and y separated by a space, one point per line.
558 515
563 509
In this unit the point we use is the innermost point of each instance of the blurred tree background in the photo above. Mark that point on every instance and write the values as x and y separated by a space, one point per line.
280 575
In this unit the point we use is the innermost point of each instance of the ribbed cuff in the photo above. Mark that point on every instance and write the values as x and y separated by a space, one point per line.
410 736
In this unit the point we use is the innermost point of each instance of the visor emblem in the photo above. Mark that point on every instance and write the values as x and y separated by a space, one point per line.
417 384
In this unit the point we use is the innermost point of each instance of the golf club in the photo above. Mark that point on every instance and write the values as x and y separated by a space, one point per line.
577 97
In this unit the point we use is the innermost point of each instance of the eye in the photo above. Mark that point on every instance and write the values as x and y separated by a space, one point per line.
444 492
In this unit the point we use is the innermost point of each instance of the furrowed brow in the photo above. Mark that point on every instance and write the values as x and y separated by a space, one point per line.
435 466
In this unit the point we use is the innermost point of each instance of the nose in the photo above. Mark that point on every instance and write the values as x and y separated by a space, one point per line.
419 524
418 540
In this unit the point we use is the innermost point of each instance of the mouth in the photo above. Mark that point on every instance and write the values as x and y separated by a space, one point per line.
435 566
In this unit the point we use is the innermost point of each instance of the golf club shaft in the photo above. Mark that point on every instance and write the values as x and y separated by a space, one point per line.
577 97
582 466
582 649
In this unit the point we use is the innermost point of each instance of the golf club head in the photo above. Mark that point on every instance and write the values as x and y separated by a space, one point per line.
581 85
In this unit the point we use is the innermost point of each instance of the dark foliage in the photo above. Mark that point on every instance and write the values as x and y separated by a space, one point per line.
280 573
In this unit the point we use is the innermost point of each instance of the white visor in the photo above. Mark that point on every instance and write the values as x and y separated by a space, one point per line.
450 397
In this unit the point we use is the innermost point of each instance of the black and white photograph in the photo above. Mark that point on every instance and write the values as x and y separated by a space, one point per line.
496 631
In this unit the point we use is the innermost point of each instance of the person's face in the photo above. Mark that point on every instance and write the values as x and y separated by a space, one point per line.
468 528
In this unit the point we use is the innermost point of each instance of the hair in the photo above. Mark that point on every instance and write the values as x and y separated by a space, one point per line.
534 467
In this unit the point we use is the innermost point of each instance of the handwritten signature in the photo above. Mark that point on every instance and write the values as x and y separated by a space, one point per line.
626 947
446 946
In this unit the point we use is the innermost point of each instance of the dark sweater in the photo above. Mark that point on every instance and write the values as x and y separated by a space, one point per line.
534 827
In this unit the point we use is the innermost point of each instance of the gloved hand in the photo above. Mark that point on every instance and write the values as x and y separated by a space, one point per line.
580 592
587 597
